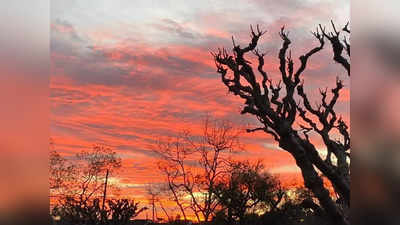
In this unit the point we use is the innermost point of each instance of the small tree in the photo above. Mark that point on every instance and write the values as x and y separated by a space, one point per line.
72 211
247 189
84 176
278 114
62 173
78 181
117 212
193 165
121 211
95 169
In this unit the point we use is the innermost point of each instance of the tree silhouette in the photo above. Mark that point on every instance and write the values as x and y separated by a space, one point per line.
116 212
80 181
208 154
79 184
121 211
278 114
247 189
82 177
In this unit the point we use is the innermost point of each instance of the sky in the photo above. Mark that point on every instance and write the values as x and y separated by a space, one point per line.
126 72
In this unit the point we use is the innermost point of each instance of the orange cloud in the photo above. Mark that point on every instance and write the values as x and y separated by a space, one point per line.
126 94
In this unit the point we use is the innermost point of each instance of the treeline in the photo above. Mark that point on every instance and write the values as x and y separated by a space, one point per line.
203 178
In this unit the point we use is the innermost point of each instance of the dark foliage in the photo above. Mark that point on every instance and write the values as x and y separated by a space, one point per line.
116 212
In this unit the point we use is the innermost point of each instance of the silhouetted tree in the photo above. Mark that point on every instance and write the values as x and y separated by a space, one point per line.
247 189
80 180
82 176
208 153
252 196
116 212
62 173
72 211
121 211
278 114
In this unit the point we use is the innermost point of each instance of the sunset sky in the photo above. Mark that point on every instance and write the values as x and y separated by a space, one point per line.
126 72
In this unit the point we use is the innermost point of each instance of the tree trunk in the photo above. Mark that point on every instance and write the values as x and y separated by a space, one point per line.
104 216
292 144
338 178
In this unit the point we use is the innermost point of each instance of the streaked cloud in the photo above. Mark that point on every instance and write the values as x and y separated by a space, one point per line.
127 72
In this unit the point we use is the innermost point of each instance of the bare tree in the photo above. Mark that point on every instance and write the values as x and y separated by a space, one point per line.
193 165
278 114
96 166
80 186
62 172
83 177
172 173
